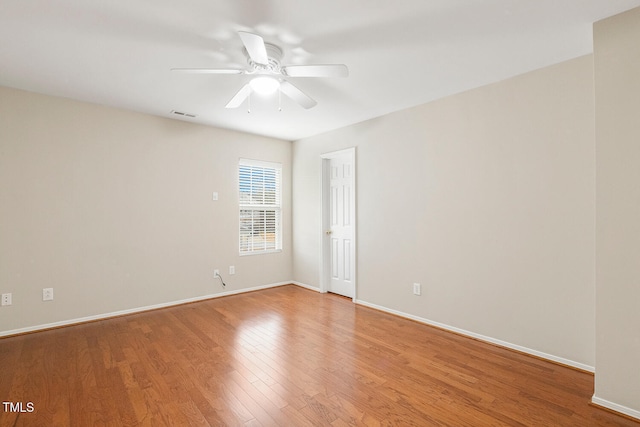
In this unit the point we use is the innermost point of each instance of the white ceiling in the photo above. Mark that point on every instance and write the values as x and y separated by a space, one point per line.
400 53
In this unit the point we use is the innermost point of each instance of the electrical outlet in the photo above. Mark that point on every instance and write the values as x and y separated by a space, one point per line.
6 299
216 273
47 294
232 270
417 289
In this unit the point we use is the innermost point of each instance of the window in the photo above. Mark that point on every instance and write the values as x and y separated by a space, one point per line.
260 206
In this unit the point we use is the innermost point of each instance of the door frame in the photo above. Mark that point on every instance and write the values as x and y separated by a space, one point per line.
325 254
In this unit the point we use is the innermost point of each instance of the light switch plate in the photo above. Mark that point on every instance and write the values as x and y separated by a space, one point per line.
417 289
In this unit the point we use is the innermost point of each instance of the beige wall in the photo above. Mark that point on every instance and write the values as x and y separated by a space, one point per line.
114 209
486 198
617 83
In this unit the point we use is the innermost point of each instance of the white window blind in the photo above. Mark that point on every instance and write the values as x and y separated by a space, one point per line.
260 206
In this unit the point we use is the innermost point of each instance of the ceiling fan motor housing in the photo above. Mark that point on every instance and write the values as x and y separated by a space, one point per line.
274 54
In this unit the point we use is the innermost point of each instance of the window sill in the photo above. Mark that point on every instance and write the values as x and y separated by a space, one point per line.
275 251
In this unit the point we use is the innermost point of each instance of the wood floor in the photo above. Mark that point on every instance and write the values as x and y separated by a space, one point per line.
282 357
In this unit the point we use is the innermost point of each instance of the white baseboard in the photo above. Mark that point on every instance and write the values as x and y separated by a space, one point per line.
313 288
134 310
303 285
615 407
484 338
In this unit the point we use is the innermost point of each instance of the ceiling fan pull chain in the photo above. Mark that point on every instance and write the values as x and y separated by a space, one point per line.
279 100
249 104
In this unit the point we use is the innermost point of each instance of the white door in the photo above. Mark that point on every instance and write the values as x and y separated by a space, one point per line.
340 223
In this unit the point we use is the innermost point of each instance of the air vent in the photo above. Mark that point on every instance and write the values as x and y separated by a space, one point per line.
180 113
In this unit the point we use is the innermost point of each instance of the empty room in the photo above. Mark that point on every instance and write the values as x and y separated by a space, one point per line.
280 213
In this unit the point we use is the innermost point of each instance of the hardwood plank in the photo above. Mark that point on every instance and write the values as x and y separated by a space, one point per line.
283 356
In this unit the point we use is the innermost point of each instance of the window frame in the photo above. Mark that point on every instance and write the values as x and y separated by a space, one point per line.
265 206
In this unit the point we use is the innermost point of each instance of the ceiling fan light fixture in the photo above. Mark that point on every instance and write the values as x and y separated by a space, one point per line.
264 85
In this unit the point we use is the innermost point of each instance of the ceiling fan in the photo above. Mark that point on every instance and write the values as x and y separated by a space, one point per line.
270 76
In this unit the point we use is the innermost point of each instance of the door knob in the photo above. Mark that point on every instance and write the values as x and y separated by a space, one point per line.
328 232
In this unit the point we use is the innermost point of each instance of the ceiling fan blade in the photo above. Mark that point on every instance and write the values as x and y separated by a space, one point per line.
297 95
255 47
209 70
329 70
239 97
